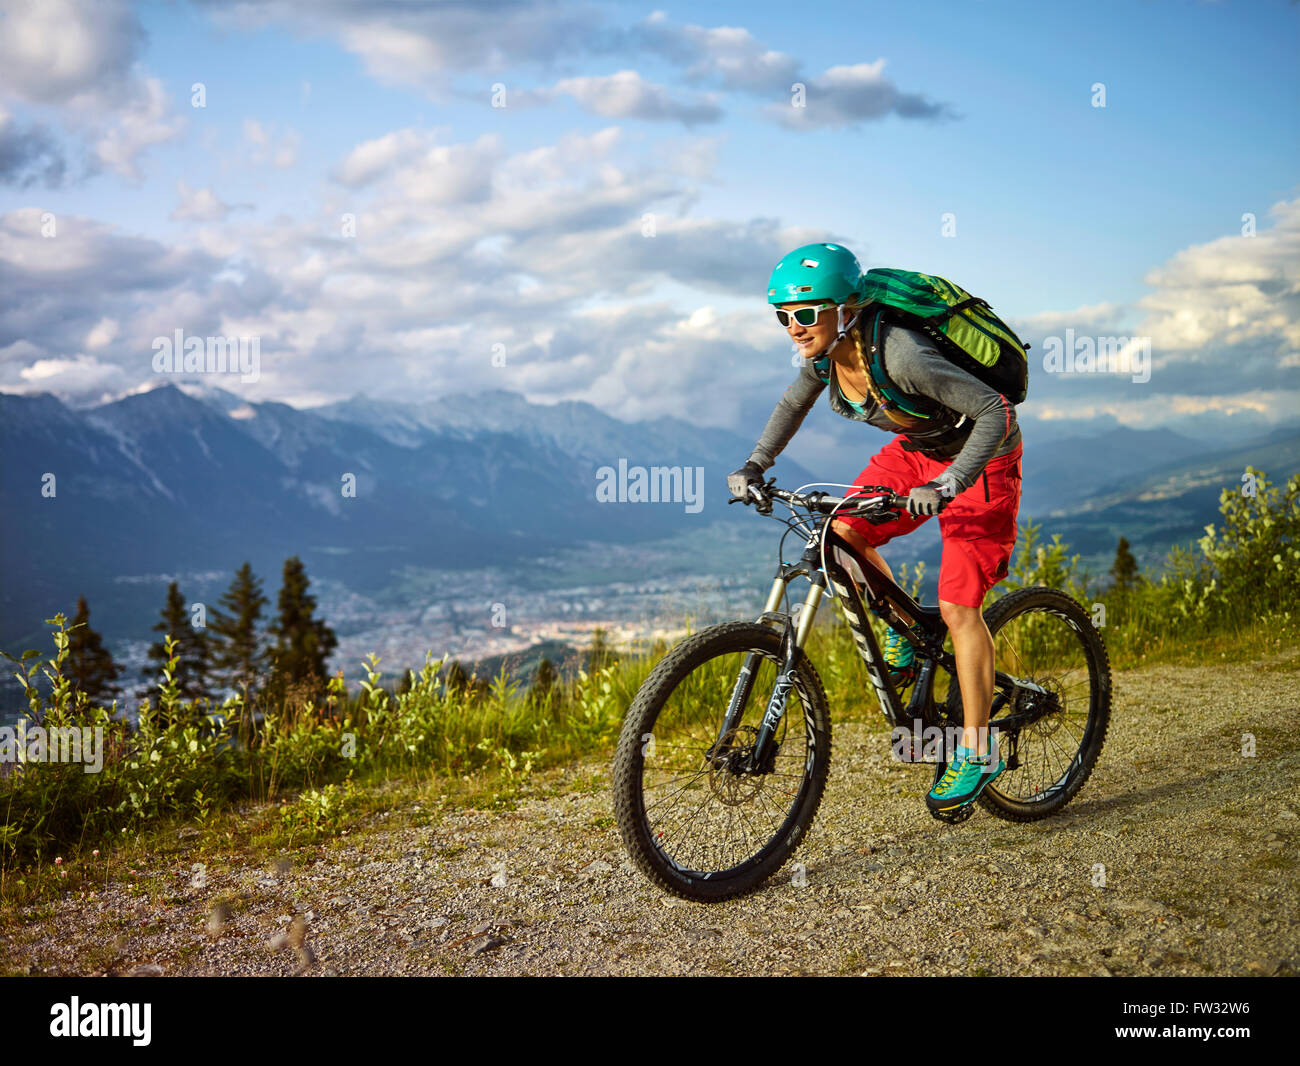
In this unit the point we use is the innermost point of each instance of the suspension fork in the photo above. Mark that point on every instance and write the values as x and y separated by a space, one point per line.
745 679
793 635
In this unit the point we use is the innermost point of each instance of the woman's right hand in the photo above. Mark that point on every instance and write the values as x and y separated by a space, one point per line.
738 481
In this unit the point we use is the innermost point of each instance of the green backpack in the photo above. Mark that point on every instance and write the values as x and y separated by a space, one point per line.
964 328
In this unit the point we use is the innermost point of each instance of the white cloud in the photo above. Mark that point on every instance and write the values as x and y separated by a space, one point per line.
372 159
1235 292
728 54
145 121
462 245
104 333
271 145
87 255
847 95
1268 405
88 291
80 56
732 57
285 156
424 45
1222 321
65 51
396 54
419 45
198 205
624 94
453 173
422 170
80 378
459 246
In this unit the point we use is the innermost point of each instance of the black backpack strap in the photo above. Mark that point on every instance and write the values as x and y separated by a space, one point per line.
973 301
920 406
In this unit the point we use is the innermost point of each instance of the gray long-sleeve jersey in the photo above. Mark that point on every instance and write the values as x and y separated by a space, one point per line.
974 417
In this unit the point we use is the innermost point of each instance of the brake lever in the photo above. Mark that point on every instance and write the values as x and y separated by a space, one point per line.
759 499
877 514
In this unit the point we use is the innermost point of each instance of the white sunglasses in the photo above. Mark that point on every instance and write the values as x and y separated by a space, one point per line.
805 316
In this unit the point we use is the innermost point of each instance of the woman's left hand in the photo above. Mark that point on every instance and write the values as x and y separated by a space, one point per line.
930 498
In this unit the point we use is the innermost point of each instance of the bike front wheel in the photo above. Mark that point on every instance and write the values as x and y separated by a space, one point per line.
695 817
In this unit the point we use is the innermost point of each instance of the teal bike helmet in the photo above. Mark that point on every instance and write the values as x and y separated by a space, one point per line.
818 272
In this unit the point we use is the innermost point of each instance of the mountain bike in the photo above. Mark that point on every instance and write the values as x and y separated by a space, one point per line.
725 750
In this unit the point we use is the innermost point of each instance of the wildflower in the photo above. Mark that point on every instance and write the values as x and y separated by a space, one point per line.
95 853
58 861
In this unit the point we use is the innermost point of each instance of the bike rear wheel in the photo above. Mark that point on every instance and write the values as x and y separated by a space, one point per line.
692 822
1043 636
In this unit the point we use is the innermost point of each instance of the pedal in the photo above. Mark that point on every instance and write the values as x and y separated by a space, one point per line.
910 750
909 744
902 679
909 753
955 817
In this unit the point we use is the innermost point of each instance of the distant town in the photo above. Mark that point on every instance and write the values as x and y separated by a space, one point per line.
498 618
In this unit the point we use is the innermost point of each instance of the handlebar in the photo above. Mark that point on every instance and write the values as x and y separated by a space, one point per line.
878 502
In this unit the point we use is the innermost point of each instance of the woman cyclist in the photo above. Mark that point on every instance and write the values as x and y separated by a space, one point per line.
960 462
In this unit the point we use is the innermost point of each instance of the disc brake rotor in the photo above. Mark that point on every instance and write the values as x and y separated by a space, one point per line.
731 786
1050 721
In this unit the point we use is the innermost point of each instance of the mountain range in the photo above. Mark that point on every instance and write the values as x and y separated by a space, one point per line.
108 501
192 479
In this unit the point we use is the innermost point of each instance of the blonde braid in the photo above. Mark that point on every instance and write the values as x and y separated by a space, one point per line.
859 329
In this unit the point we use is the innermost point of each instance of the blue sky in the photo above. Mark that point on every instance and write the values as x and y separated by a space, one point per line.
520 225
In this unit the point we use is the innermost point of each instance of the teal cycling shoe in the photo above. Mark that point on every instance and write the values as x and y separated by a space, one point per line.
899 656
962 780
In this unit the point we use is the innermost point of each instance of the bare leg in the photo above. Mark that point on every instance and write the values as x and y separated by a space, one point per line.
972 647
868 553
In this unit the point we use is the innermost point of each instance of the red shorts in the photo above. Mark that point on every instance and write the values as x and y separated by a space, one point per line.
978 527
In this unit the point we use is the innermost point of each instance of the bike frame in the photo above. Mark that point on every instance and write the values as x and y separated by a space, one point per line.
888 601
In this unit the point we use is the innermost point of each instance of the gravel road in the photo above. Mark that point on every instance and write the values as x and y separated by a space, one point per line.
1197 841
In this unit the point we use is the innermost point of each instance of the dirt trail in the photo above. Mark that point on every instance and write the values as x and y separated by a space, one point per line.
1198 842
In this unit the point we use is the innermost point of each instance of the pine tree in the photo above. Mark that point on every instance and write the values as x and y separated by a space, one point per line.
599 654
89 665
543 681
303 642
1125 568
456 679
193 649
237 654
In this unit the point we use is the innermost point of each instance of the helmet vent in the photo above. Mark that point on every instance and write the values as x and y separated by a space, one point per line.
804 288
808 263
